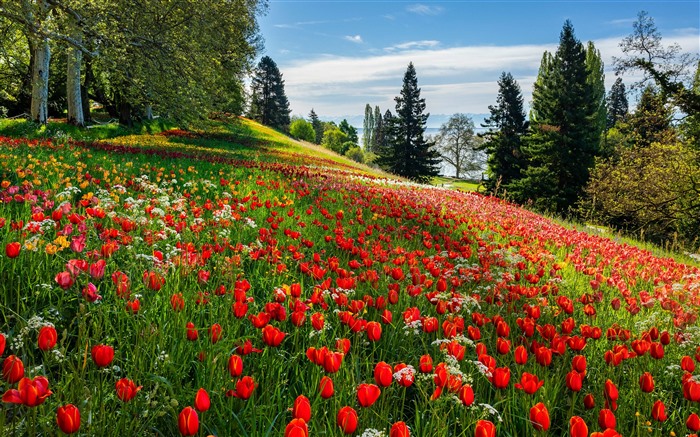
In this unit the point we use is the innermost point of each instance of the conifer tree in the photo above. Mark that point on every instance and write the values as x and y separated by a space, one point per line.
317 125
368 127
409 154
378 136
617 104
565 130
507 126
269 104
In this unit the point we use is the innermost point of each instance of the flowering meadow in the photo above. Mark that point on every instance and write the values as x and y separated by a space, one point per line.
208 283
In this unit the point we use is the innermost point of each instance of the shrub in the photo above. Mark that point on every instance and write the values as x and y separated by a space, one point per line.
356 154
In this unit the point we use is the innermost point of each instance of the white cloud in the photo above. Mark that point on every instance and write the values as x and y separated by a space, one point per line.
455 79
422 9
353 38
413 45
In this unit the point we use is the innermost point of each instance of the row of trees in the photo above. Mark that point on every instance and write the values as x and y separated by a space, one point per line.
582 153
181 58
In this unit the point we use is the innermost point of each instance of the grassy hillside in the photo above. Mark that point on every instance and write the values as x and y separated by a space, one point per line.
229 281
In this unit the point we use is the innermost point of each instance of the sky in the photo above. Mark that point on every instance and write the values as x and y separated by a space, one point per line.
337 56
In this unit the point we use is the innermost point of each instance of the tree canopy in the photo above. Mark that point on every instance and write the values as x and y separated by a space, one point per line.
269 104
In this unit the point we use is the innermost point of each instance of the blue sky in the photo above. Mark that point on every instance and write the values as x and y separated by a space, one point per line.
336 56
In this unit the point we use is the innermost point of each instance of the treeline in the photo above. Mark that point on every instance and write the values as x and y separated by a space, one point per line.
581 153
178 58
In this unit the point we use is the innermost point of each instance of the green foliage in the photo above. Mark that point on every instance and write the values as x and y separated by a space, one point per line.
355 153
407 153
651 191
565 128
378 133
651 120
335 140
458 145
269 104
503 141
368 126
348 130
302 130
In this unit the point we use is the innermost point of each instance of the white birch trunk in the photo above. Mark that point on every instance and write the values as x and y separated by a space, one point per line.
149 112
40 81
75 102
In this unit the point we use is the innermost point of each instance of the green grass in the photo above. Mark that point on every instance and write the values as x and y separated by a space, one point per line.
457 184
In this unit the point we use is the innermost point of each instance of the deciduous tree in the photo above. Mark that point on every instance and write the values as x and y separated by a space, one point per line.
458 145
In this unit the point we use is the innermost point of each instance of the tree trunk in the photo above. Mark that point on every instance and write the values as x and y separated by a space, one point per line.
40 81
149 112
73 92
125 113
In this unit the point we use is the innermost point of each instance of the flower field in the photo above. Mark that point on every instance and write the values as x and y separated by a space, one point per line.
211 284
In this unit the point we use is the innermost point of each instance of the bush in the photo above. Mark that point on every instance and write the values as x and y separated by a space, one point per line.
302 130
335 140
355 153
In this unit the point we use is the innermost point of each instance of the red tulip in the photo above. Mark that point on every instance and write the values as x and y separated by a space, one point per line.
573 381
296 428
466 395
343 345
301 408
687 364
12 369
577 427
192 333
153 280
64 280
317 321
332 361
177 301
529 383
374 331
235 365
485 428
202 401
326 387
102 355
399 429
693 422
579 364
188 421
215 332
426 364
68 418
658 411
126 389
347 420
539 416
646 382
367 394
611 395
383 374
29 392
589 402
272 336
520 355
404 374
12 249
543 356
245 387
500 377
3 340
606 419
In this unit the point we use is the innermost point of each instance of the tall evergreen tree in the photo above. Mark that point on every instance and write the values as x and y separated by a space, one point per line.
617 104
269 104
651 120
349 130
507 126
409 154
596 80
378 136
368 127
565 134
317 125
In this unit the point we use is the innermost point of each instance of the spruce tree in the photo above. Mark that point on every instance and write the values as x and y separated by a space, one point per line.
617 104
507 126
565 133
651 120
409 154
269 104
596 80
317 125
